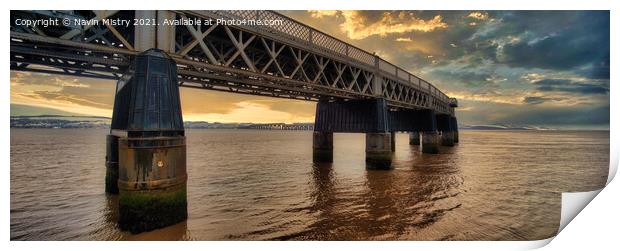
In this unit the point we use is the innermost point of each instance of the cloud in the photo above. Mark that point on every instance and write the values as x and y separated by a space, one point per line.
535 100
300 109
70 94
479 15
65 104
27 110
248 111
488 97
533 77
576 116
468 78
570 86
488 70
577 40
596 70
43 79
360 25
322 13
543 114
71 98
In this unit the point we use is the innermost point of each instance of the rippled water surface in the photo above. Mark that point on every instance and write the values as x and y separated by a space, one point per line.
247 184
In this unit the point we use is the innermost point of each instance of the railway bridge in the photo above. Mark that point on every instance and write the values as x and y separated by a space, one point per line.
152 53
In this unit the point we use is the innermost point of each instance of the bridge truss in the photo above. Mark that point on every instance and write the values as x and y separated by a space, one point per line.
285 60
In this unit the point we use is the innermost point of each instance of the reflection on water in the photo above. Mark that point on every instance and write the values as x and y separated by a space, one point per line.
245 184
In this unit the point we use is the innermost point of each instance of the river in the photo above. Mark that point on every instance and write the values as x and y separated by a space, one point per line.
257 185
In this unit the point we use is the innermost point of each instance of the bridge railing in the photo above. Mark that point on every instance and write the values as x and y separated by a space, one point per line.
326 43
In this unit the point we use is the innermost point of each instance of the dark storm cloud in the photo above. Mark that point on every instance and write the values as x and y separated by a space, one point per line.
535 100
570 86
553 40
559 116
566 42
596 70
471 79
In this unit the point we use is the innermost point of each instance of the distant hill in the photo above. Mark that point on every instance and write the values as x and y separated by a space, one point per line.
79 121
76 121
501 127
59 121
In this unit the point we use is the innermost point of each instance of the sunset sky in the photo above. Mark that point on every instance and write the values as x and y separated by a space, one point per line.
534 68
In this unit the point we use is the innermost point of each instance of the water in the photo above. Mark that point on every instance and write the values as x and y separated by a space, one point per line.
255 185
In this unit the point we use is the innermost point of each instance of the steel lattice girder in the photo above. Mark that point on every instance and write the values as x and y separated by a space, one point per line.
224 58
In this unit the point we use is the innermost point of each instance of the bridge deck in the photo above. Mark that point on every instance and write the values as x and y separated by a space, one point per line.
287 60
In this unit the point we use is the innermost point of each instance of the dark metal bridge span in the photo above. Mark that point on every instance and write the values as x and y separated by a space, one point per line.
287 59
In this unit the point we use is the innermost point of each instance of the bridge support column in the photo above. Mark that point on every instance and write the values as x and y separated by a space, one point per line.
152 173
430 142
447 138
152 182
379 137
323 147
393 141
455 129
379 150
111 164
444 124
368 116
456 136
414 138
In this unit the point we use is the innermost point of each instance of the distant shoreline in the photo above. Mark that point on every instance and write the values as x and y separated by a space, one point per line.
460 129
76 122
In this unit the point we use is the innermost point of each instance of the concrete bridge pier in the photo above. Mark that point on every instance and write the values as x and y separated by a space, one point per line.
379 150
111 164
380 143
447 138
430 137
455 129
322 147
444 124
369 116
414 138
147 119
425 127
430 142
393 141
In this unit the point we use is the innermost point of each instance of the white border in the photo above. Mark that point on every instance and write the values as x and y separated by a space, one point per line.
597 223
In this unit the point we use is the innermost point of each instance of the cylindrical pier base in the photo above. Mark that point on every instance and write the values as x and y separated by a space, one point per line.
323 147
152 182
111 164
430 142
447 138
378 150
456 136
393 141
414 138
